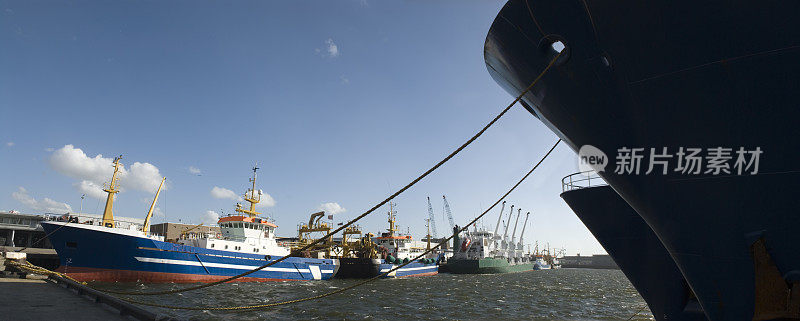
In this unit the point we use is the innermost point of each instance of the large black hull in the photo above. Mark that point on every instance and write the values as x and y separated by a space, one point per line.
678 74
358 268
636 250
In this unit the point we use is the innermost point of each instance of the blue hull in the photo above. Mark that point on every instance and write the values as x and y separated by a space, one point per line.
412 269
97 255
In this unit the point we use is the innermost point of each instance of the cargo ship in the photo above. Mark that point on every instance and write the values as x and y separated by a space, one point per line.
486 252
633 246
654 85
104 252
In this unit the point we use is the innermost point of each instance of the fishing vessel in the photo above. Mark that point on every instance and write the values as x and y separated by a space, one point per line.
716 83
541 264
396 249
105 252
486 252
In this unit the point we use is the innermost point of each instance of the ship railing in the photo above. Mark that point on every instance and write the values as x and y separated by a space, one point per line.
580 180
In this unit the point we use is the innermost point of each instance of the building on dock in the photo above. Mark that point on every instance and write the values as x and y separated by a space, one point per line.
173 231
22 230
597 261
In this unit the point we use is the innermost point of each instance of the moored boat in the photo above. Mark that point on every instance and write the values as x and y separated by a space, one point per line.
486 252
397 249
89 252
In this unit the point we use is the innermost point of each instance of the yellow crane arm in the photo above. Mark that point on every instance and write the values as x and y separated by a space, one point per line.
146 228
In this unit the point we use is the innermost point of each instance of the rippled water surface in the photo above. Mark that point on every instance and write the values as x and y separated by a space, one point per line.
565 294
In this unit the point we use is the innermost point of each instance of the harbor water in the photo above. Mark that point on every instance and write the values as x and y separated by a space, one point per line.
564 294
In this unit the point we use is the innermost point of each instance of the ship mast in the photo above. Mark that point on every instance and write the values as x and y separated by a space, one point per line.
108 213
428 225
250 197
392 212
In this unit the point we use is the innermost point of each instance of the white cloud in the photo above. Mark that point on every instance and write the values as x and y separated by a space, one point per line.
45 205
95 171
90 189
331 208
266 200
331 50
210 217
344 80
143 177
10 144
224 193
195 170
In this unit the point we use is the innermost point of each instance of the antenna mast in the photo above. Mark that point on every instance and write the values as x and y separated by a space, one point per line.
250 197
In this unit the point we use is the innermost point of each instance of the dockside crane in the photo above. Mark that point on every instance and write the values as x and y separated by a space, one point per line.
524 225
505 232
514 234
447 210
432 219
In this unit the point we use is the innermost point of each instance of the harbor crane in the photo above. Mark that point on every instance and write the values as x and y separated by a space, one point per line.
432 220
449 214
505 232
524 225
496 227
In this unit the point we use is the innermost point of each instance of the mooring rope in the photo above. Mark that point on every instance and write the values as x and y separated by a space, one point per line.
35 269
44 237
351 222
637 312
320 296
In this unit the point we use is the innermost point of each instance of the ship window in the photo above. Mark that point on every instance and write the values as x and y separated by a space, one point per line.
212 245
226 247
72 245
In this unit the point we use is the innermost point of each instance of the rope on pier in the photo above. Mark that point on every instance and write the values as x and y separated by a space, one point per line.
351 222
35 269
320 296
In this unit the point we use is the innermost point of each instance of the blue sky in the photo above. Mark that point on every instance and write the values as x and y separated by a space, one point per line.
338 101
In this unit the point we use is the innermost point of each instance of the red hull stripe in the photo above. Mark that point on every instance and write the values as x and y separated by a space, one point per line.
106 275
420 274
